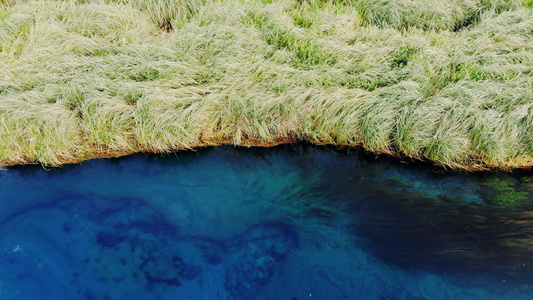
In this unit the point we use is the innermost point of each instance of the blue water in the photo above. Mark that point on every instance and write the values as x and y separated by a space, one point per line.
290 222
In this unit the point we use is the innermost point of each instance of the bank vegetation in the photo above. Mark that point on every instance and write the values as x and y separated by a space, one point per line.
450 81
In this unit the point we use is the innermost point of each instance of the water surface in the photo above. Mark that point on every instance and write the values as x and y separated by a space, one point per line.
290 222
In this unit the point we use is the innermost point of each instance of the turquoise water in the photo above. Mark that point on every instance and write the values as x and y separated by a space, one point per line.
290 222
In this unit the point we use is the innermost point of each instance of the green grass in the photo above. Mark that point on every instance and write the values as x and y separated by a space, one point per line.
450 81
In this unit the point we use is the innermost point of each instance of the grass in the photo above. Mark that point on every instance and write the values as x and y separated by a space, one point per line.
450 81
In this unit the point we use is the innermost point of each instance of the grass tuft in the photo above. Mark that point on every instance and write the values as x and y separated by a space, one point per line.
165 13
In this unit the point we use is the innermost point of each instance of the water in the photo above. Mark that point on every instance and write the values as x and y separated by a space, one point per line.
291 222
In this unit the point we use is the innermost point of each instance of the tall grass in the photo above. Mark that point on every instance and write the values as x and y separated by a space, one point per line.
165 12
449 81
437 15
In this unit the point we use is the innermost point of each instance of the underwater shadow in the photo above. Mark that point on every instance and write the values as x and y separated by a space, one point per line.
444 236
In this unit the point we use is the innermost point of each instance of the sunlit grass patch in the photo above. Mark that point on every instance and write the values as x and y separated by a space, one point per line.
108 124
164 12
44 132
164 121
437 15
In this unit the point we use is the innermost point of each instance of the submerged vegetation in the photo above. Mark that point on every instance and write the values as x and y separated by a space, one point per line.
450 81
504 193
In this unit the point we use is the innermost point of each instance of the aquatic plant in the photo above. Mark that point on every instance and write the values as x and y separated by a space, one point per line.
505 194
447 81
526 178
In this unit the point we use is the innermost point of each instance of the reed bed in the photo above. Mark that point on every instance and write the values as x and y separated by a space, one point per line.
449 81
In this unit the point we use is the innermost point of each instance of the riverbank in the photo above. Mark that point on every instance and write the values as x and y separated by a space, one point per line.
445 81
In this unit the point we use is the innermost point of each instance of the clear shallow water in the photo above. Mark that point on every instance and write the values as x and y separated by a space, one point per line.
291 222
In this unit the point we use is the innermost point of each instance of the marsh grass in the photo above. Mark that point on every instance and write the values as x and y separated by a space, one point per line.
164 12
450 81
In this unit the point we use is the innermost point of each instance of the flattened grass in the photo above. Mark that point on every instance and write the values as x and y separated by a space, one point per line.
450 81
